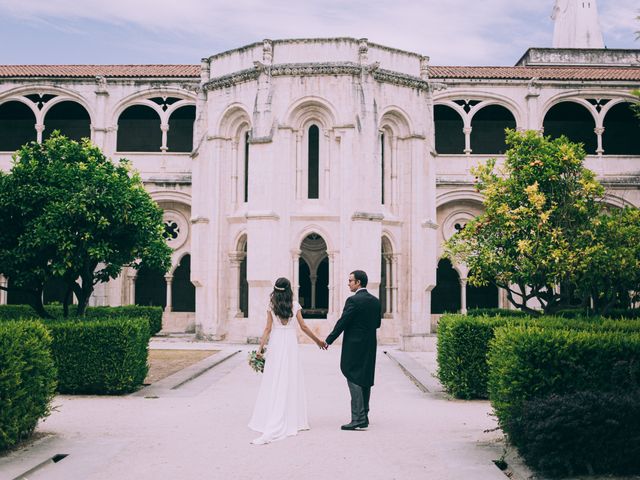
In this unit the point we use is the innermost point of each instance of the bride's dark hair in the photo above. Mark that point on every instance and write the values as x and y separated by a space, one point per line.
282 298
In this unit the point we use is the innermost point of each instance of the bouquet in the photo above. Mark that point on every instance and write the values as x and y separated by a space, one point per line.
256 361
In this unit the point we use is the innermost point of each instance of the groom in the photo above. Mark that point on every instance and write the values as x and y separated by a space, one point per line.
359 321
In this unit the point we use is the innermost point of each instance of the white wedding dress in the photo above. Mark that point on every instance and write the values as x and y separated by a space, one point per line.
281 406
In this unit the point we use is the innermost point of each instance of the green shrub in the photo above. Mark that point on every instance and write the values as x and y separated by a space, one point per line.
581 432
100 357
463 344
531 362
496 312
152 314
27 379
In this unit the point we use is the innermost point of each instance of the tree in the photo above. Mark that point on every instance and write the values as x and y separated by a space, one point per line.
537 208
610 265
71 213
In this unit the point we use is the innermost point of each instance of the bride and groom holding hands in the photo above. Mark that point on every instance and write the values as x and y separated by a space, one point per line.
281 405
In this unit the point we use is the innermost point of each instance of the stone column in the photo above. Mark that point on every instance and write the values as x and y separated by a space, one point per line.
131 283
467 140
235 259
387 286
394 284
332 281
4 282
39 130
299 161
165 128
235 177
169 306
463 295
314 278
599 131
295 281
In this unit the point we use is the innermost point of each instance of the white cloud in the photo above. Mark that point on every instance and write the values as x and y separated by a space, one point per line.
451 32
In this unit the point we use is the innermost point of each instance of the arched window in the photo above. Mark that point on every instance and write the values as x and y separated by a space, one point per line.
70 118
139 130
574 121
487 129
445 297
245 170
151 288
313 162
183 293
449 130
313 275
243 286
621 131
180 134
17 126
387 288
482 297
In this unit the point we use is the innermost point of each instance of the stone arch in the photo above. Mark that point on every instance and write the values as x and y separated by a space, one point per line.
449 123
17 124
465 194
69 117
575 119
397 120
309 109
160 196
183 292
233 120
143 98
616 201
388 276
139 128
314 228
181 123
314 276
621 129
488 123
445 296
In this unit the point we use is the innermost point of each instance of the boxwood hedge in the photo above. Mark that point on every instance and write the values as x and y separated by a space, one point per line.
100 357
27 379
580 432
152 314
463 345
528 362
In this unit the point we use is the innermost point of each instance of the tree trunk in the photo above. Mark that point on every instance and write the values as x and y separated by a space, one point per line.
36 304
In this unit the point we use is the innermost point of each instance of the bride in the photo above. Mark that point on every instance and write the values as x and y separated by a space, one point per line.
281 406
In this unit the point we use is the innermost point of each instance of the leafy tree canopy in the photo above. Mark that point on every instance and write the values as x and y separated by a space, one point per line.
69 212
544 234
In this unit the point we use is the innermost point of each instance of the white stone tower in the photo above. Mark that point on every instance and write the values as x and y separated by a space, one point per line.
576 24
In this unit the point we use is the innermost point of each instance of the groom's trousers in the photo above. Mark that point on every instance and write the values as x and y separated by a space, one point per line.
359 402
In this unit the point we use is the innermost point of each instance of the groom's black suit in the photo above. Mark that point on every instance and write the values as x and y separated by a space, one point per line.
360 318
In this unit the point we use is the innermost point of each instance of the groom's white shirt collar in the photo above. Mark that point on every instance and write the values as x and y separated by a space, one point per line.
361 288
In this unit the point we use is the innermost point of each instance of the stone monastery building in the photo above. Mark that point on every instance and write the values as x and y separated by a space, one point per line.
310 158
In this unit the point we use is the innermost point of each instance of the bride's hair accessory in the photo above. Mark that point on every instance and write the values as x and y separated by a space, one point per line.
281 289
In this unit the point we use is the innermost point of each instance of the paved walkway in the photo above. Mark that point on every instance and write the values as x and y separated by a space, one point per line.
199 431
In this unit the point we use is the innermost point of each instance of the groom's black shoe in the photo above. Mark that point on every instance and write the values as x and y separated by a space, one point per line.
355 426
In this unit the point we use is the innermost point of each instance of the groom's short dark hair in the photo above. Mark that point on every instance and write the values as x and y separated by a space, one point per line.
361 276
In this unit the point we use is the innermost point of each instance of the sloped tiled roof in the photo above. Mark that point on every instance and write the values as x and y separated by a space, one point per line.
542 73
436 71
90 71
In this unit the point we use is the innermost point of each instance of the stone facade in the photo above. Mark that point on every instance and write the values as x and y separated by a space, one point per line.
311 158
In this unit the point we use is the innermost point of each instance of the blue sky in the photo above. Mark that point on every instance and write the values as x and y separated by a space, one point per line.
451 32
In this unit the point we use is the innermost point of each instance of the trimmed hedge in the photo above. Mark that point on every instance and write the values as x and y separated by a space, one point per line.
583 432
496 312
152 314
100 357
463 345
533 362
27 379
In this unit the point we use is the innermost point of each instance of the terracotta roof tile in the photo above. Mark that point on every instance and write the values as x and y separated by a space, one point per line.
543 73
90 71
439 72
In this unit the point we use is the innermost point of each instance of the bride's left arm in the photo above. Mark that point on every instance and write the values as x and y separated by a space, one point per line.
308 331
266 333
